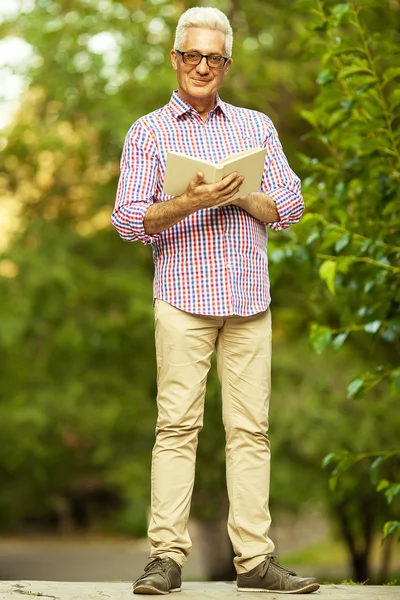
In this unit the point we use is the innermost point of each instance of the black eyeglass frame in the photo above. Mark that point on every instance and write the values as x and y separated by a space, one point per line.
206 56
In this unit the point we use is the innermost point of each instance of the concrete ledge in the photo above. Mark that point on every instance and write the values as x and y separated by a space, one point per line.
194 591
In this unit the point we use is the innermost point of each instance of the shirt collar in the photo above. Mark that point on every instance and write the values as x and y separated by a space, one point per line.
180 107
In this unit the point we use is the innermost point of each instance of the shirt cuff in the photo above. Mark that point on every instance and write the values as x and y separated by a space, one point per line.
290 207
129 222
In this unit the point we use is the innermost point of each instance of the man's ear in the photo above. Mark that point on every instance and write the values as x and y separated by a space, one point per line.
174 59
228 65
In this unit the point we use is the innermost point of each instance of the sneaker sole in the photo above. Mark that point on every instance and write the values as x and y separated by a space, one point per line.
149 589
308 589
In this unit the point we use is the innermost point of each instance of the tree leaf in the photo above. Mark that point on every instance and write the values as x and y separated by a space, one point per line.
348 50
341 9
339 340
310 117
340 12
382 485
355 387
311 219
390 528
355 70
347 105
329 459
343 263
327 272
372 327
320 337
325 76
335 118
392 492
374 470
342 243
394 99
314 236
390 74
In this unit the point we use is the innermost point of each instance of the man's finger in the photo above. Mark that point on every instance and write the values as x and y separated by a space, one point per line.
228 179
230 182
196 180
199 178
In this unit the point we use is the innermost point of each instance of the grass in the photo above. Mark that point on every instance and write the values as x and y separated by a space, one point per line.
331 564
326 553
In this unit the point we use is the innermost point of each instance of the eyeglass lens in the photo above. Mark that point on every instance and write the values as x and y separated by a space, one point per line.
194 58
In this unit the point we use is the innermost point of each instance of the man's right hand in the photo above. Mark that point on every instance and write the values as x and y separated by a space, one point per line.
199 195
205 195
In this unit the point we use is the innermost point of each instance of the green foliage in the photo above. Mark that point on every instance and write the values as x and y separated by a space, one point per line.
76 320
391 527
353 186
77 402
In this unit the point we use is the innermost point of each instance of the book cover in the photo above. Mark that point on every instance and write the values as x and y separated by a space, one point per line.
181 169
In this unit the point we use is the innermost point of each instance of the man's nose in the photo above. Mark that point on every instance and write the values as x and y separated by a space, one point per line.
203 67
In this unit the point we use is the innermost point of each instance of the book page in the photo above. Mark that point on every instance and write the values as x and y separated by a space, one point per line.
249 165
181 169
233 157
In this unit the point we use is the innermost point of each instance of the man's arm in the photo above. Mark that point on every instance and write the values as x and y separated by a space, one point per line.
260 206
199 195
136 216
280 203
137 184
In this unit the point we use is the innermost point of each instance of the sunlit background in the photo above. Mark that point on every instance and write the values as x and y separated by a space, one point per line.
77 365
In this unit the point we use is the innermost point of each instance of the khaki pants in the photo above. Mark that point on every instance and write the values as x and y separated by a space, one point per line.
184 346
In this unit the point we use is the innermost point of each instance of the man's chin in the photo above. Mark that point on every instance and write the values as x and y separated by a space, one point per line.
200 91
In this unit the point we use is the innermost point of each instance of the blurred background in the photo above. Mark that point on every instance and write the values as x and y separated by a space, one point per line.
77 364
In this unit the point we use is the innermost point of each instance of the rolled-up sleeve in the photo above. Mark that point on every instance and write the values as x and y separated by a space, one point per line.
281 183
136 186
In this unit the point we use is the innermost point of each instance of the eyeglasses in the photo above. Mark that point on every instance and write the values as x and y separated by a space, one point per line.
215 61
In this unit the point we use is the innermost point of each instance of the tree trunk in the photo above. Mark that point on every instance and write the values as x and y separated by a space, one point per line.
358 537
360 566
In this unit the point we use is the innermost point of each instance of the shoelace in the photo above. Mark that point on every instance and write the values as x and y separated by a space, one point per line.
266 565
156 565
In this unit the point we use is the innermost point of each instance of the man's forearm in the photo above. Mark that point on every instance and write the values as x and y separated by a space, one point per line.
162 215
261 206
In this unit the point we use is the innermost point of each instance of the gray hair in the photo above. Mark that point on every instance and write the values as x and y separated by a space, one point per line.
207 17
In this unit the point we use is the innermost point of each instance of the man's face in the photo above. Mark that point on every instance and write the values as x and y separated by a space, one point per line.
200 82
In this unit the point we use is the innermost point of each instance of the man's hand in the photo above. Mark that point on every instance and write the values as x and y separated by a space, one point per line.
199 195
204 195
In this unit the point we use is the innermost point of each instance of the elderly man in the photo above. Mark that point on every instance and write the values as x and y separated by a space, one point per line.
211 292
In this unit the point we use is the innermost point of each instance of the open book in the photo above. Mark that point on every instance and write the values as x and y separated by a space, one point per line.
181 169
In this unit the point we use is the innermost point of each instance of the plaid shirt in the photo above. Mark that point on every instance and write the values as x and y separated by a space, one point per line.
213 262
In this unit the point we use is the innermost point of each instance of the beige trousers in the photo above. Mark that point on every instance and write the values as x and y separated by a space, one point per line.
184 346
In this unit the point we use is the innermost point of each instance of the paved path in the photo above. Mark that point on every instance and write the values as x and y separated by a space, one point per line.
190 591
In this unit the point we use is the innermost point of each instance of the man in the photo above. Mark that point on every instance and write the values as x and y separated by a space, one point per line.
211 291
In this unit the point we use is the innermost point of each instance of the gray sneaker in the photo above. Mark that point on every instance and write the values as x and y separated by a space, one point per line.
270 576
161 576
